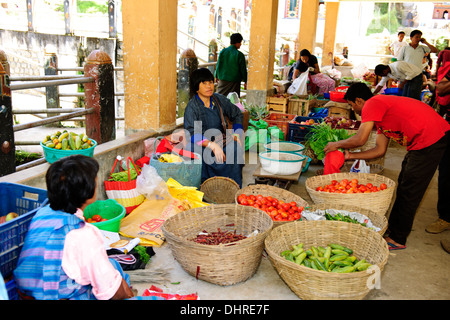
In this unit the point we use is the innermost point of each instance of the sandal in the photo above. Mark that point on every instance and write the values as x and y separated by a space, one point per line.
396 247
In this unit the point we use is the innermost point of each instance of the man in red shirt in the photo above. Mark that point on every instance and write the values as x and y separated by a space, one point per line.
426 136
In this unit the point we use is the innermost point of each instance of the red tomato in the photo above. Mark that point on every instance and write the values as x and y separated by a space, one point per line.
258 202
293 204
250 202
383 186
244 202
269 198
97 218
369 185
259 197
252 197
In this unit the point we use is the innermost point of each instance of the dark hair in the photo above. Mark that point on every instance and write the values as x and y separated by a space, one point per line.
414 32
305 52
358 90
301 66
379 69
70 182
198 76
400 32
236 38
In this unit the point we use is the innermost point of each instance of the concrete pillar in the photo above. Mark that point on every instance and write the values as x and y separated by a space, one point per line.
262 50
100 125
308 26
150 66
329 36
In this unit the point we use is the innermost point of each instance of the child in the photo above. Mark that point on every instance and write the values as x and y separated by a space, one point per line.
63 257
394 48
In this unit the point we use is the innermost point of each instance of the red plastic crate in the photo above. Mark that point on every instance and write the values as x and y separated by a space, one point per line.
280 120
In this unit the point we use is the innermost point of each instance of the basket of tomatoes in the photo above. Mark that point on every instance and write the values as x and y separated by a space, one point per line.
364 190
280 204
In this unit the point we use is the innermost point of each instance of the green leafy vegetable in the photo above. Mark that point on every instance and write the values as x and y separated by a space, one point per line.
321 134
143 253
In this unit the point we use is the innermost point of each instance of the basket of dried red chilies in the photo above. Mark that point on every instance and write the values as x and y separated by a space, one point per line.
220 244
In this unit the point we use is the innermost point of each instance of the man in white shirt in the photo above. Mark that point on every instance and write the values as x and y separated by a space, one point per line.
414 52
408 75
395 46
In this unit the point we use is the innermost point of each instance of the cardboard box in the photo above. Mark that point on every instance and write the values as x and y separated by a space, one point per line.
338 109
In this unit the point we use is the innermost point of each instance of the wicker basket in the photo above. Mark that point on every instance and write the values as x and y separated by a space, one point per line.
378 202
378 220
219 190
267 190
223 264
371 143
347 166
313 284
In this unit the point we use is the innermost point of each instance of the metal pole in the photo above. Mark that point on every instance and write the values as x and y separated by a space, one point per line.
39 123
32 85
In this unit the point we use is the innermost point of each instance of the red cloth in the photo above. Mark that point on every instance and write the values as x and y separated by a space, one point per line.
407 121
444 68
165 145
333 162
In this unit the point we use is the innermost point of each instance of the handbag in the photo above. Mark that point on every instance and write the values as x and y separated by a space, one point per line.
124 192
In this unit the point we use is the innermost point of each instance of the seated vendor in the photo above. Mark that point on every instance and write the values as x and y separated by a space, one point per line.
63 257
322 81
205 122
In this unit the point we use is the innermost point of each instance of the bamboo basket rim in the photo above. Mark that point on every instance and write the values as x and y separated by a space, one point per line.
321 223
311 182
189 243
274 190
225 181
372 215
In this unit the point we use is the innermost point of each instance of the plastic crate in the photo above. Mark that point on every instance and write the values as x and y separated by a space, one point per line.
280 120
25 201
298 132
12 290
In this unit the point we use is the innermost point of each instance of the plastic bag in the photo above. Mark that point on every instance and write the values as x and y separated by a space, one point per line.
151 185
234 98
185 193
299 86
360 166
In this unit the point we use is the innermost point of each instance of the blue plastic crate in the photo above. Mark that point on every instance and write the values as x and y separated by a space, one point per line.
298 132
12 290
25 201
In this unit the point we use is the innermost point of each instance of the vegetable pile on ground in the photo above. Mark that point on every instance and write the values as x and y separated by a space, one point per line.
319 136
219 237
278 210
332 258
352 186
67 141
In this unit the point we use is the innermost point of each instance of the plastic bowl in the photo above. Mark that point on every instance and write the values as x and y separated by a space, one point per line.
337 96
108 209
52 154
285 146
281 163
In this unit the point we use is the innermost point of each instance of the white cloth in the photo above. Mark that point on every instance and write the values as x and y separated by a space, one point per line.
396 46
400 70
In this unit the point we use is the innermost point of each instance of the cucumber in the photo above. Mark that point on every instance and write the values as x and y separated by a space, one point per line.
319 264
363 266
338 257
77 142
339 247
351 259
360 262
313 265
344 269
299 259
297 251
339 251
285 252
307 263
65 144
63 136
343 263
327 253
72 143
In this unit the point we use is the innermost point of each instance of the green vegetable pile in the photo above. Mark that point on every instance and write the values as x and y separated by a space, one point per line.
322 133
332 258
340 217
142 253
123 175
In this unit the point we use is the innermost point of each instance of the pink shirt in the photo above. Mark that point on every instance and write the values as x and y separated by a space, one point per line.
86 262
